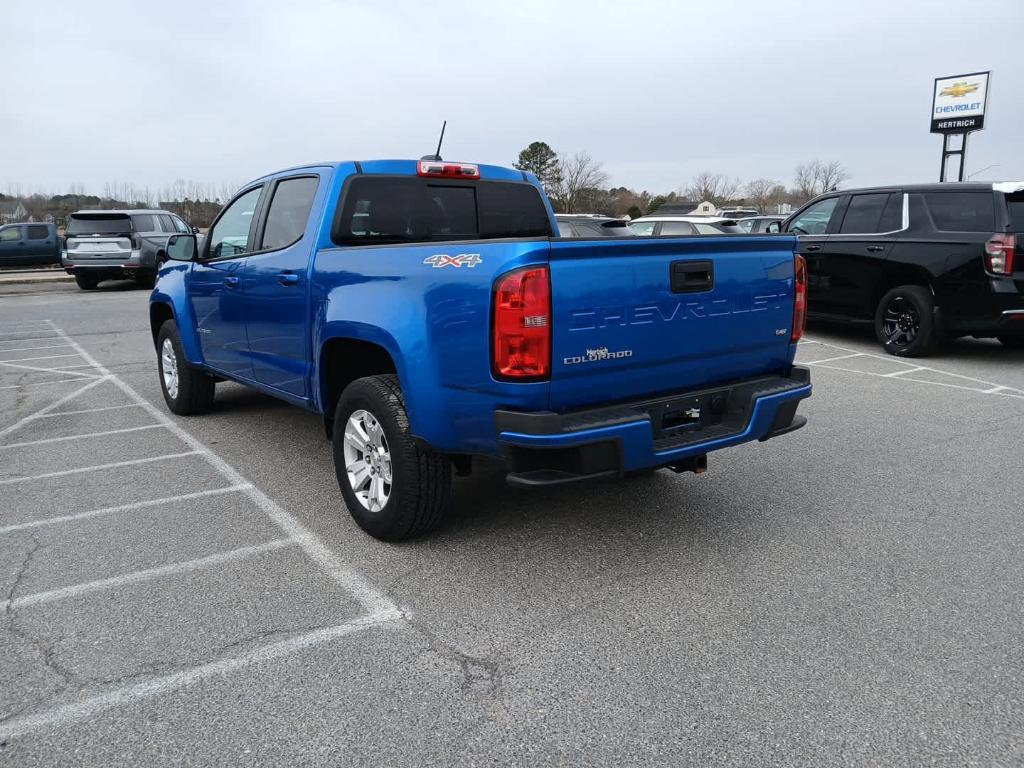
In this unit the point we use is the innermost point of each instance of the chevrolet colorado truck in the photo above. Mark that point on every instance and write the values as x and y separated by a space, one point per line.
428 312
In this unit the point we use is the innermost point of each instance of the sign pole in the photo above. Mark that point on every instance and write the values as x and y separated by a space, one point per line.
958 108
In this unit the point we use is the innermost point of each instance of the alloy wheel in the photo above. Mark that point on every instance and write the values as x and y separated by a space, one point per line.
169 366
901 322
367 460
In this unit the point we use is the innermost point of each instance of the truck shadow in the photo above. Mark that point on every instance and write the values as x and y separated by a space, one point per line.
965 348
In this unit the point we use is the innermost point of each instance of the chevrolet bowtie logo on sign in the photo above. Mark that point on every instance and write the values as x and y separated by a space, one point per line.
958 103
956 90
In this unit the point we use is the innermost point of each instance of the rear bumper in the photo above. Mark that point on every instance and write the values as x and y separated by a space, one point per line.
548 448
112 266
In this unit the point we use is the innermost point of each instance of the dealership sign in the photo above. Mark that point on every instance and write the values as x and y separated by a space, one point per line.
958 103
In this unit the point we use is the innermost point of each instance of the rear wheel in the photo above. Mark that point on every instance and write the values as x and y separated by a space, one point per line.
1013 342
393 486
86 281
148 279
905 322
187 390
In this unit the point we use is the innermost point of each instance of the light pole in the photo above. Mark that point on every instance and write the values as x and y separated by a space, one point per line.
971 176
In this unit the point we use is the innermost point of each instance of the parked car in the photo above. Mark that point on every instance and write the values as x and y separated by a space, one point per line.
922 263
105 245
758 225
591 225
425 309
683 225
29 245
738 212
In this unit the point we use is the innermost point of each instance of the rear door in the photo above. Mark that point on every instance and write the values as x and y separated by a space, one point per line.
850 268
275 286
41 243
215 282
635 317
811 225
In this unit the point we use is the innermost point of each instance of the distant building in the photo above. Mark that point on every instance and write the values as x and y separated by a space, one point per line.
686 208
12 211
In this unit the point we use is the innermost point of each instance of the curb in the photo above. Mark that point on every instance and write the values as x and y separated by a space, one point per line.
25 279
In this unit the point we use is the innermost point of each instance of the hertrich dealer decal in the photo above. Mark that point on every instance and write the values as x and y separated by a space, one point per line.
596 355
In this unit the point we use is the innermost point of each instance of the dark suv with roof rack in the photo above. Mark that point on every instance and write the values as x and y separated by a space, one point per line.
108 245
923 263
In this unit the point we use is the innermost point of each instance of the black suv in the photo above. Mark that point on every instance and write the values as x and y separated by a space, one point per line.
923 263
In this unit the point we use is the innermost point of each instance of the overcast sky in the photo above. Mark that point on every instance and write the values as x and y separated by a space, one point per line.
224 90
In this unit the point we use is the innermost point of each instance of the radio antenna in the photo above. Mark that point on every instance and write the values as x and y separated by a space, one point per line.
438 153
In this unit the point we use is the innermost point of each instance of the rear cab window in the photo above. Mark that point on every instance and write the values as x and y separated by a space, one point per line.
411 209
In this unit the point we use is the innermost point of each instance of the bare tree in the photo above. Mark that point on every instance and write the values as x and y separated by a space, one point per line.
716 188
760 192
817 177
580 176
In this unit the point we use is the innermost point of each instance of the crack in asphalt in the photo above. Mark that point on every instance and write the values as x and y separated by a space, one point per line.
476 670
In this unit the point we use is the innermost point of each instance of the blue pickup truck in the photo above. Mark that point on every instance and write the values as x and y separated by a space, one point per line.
428 312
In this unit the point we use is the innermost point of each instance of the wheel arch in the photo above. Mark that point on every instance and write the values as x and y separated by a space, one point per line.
343 358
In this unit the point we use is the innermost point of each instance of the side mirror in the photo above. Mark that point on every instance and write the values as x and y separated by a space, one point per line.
182 247
195 230
774 227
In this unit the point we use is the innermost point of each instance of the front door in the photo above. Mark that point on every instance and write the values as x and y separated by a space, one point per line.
811 226
12 244
275 289
215 285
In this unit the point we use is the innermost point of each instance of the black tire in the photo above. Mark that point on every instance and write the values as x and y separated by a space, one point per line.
148 279
195 389
421 478
1012 342
905 322
86 281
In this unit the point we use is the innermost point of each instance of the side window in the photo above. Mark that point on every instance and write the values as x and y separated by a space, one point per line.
145 222
181 226
38 232
746 225
814 220
10 234
289 212
230 235
863 214
642 228
564 229
165 222
962 211
892 215
676 228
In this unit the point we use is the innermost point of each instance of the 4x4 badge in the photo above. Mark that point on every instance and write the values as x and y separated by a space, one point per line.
439 260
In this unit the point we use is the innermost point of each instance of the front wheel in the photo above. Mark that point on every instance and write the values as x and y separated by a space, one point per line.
394 487
905 322
187 390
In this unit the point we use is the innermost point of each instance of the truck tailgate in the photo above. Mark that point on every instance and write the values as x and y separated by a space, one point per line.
642 316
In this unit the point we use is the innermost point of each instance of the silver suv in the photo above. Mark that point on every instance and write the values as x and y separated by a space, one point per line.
107 245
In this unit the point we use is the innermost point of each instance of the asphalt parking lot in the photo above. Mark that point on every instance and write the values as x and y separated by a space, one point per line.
191 591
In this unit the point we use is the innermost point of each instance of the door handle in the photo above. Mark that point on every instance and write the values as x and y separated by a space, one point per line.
287 278
876 248
230 282
813 248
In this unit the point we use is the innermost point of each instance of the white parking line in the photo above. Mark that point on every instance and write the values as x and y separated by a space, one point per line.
37 369
28 349
135 505
64 438
43 383
148 574
51 407
31 338
894 374
97 467
30 359
371 598
93 705
831 359
87 410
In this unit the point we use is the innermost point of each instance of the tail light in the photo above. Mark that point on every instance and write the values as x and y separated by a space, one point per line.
999 254
136 242
522 325
800 298
448 170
